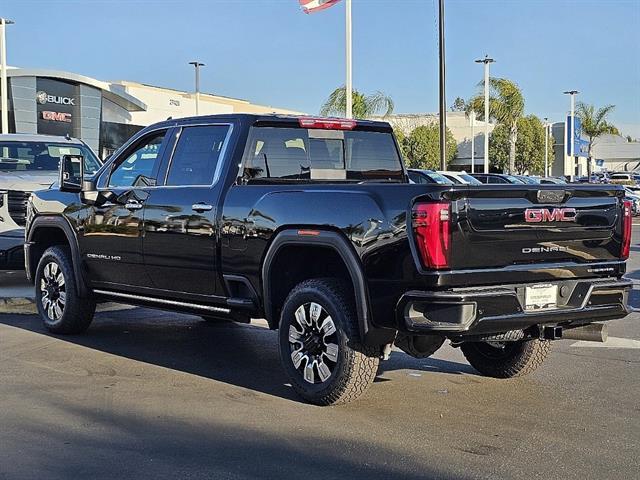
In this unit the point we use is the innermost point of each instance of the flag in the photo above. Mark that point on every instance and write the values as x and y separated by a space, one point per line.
312 6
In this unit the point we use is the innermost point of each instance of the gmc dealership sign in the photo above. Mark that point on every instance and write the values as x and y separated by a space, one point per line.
56 116
58 107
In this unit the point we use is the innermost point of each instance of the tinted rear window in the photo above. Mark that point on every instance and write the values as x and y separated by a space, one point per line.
330 155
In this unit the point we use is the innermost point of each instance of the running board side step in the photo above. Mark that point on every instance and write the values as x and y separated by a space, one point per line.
243 303
162 301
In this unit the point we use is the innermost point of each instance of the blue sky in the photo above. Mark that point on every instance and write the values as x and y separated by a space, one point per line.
268 52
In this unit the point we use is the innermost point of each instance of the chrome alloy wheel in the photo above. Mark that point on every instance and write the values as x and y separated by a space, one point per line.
313 339
53 291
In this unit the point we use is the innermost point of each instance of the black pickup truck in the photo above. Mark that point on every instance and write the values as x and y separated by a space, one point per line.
313 224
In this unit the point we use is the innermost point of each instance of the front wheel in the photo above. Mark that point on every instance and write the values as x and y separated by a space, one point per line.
506 359
61 308
320 346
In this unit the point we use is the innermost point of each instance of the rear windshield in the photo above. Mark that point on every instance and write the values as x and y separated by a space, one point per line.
42 156
294 154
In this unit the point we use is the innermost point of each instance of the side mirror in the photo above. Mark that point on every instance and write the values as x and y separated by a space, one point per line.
71 173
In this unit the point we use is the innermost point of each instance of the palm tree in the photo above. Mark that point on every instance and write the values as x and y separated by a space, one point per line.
594 123
364 106
506 106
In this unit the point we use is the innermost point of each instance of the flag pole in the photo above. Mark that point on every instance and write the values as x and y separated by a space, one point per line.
349 80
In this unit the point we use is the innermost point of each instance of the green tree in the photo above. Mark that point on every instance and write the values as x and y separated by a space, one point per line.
364 106
594 122
529 146
422 147
459 105
402 141
506 106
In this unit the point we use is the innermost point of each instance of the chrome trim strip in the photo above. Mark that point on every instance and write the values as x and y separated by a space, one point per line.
163 301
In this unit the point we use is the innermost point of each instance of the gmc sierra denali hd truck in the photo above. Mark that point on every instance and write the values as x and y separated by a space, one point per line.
312 224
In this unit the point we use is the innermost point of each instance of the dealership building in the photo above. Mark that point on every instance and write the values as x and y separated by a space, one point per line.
103 114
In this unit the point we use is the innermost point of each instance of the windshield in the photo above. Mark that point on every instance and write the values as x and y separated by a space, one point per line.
43 156
512 179
529 180
469 179
438 178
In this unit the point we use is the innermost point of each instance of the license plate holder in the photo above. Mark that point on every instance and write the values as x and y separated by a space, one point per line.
540 297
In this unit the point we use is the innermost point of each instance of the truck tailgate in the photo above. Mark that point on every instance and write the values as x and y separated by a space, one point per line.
509 225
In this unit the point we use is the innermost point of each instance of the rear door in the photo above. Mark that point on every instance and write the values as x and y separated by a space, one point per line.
180 234
520 224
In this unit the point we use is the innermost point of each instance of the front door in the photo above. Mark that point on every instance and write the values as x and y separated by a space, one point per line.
180 233
111 240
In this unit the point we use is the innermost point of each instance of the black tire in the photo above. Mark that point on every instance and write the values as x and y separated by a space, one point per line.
351 365
506 359
61 308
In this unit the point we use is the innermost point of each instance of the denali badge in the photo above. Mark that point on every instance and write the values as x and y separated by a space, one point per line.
543 249
102 256
540 215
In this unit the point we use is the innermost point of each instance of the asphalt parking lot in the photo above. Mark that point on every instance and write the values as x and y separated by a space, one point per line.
148 394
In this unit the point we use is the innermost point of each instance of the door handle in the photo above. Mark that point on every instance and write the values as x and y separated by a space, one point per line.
133 205
201 207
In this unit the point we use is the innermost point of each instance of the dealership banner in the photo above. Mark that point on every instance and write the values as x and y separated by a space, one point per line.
312 6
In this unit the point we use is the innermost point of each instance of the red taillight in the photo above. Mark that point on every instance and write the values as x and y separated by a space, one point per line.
431 227
328 123
626 229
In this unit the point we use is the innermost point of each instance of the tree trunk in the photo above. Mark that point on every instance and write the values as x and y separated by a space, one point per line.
513 138
589 161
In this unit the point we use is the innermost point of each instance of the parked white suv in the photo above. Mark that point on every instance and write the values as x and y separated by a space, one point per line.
29 163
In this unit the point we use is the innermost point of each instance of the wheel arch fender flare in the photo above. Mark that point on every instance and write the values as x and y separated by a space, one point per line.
326 239
63 225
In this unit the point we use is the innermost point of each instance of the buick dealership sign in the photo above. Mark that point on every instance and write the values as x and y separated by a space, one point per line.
43 98
58 107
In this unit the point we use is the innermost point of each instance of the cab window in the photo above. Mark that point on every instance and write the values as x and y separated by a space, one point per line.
140 164
197 155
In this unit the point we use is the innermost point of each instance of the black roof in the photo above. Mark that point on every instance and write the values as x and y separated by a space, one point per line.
266 119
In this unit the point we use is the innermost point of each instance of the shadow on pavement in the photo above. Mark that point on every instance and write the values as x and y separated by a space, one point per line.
169 447
241 355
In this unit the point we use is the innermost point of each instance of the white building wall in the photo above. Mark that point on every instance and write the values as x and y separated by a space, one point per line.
164 103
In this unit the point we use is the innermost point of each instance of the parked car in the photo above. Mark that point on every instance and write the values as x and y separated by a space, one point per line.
427 176
312 224
528 180
459 178
553 181
634 198
497 178
626 177
28 163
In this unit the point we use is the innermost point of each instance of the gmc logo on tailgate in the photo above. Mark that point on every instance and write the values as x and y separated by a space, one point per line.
541 215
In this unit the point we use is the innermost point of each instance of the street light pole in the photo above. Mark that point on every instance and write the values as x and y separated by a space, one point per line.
197 66
546 146
349 59
4 103
487 61
572 94
443 95
473 141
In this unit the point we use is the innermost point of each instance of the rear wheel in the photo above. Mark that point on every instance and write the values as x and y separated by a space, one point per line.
61 308
506 359
320 347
